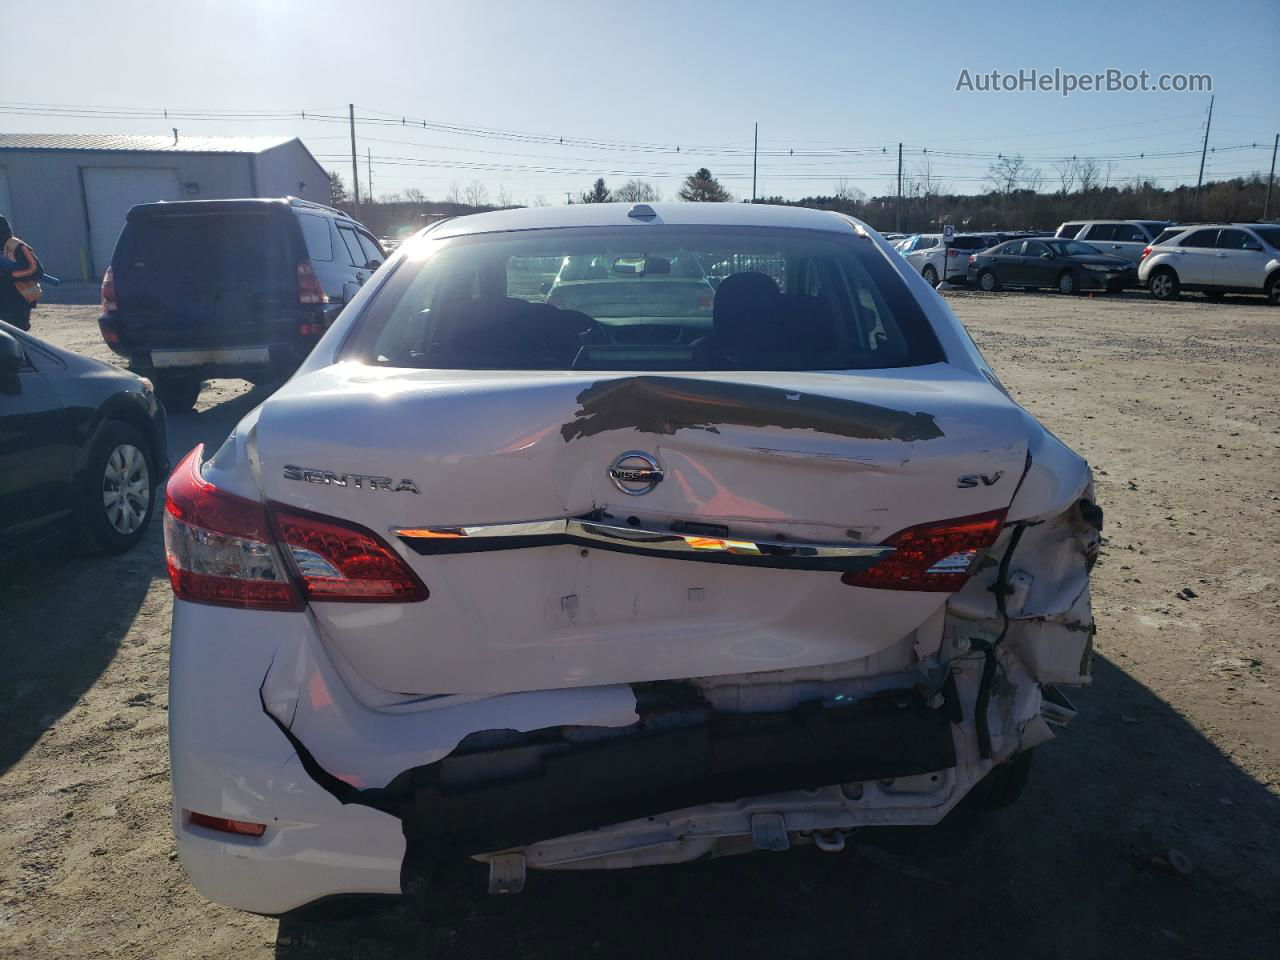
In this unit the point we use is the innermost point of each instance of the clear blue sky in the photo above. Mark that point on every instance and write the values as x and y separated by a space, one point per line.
647 77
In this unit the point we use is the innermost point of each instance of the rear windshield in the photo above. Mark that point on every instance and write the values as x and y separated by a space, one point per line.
646 298
208 247
972 243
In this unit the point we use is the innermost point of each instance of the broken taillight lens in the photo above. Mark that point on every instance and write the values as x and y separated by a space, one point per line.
230 551
937 557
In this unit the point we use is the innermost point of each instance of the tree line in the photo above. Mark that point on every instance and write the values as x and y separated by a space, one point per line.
1017 196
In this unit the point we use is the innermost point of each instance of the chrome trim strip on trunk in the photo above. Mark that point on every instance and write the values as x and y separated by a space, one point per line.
598 531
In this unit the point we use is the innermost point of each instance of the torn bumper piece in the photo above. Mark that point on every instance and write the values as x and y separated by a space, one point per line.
554 783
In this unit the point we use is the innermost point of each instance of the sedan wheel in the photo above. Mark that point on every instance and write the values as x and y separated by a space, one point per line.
988 281
126 489
1067 283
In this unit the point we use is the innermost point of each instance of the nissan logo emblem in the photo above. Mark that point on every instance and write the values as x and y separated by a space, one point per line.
635 473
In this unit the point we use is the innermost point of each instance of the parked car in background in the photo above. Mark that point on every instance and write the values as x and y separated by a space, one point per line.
936 262
667 283
1065 265
82 449
228 288
1119 238
1215 259
556 588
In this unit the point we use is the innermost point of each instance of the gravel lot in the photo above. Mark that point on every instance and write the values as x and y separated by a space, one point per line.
1177 747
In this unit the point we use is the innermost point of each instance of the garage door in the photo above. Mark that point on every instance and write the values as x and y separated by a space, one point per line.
109 192
5 208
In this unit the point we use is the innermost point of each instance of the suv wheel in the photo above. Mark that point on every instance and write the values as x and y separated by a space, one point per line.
118 496
1164 285
178 392
930 276
1273 291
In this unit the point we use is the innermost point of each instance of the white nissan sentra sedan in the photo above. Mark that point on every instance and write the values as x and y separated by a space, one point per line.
682 570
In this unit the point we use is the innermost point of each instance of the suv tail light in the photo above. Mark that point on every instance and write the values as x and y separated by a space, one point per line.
109 304
229 551
1145 251
953 252
310 289
936 557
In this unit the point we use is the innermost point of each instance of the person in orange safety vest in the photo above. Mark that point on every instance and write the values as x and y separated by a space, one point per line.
20 273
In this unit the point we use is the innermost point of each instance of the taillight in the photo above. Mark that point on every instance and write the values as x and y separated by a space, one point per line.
310 289
973 258
952 252
229 551
109 304
242 828
219 548
1145 251
337 560
936 557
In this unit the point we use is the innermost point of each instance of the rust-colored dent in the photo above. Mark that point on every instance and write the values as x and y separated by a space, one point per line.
665 405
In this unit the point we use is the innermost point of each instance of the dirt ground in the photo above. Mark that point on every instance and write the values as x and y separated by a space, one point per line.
1177 747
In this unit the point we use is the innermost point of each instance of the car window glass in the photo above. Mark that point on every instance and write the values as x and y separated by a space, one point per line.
1034 248
1166 235
1069 229
689 298
1100 231
372 253
1129 233
1234 240
355 255
315 230
1270 234
1153 226
1201 238
926 243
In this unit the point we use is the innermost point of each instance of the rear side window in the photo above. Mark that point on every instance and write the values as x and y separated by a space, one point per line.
1099 231
1069 230
1270 234
1234 240
315 230
1201 238
1166 235
1154 226
369 247
1129 233
666 298
351 243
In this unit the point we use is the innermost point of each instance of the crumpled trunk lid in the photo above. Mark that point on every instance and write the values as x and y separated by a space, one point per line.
812 458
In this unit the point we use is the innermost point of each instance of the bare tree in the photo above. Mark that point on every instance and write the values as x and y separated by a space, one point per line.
477 195
1088 173
455 193
638 191
701 187
504 197
414 195
1066 171
1006 173
541 200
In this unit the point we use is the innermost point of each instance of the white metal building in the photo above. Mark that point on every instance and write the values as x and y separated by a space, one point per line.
67 194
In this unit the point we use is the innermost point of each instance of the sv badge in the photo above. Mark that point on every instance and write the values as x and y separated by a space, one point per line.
974 479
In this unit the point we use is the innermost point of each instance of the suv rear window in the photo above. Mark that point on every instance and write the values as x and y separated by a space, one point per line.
654 298
205 248
971 243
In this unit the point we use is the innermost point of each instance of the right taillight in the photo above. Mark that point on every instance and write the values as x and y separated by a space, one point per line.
937 557
310 290
109 304
230 551
1145 251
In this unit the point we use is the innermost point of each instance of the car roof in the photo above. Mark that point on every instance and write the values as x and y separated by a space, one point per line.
178 207
681 214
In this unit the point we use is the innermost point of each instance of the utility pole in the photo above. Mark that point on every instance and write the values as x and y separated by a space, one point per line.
368 181
355 167
1195 203
755 149
897 219
1271 179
